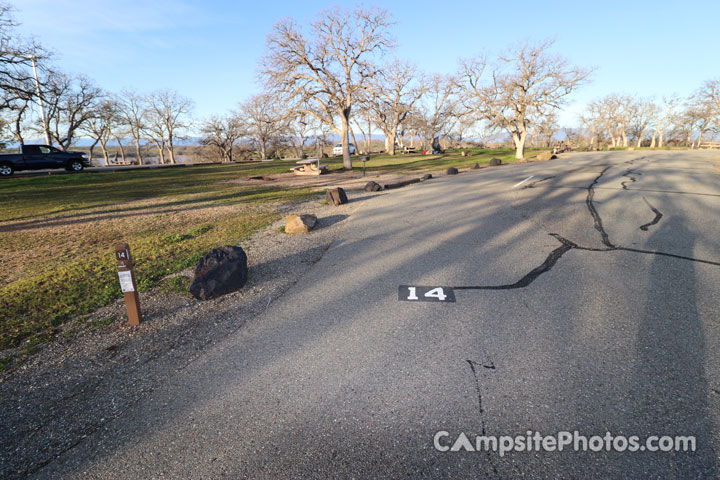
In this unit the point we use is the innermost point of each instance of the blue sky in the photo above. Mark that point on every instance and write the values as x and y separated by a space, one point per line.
209 50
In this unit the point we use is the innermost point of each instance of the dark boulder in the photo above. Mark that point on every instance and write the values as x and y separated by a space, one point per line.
221 271
452 171
336 196
494 162
476 166
427 176
372 187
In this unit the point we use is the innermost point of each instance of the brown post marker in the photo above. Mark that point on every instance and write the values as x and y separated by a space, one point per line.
127 283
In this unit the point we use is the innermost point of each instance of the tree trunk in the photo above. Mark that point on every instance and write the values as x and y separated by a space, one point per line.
171 149
103 147
263 150
639 142
18 130
138 151
122 150
519 139
390 142
352 132
161 151
92 148
660 139
654 137
345 138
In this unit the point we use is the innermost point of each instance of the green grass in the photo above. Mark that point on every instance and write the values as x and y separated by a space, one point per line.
179 285
41 302
58 234
26 197
451 158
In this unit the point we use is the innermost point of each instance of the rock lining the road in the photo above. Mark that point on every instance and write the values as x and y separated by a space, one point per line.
219 272
295 224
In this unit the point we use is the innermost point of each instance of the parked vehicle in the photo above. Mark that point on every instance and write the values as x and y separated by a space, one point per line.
38 157
337 150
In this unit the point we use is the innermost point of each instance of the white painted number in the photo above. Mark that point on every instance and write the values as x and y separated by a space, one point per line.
407 293
436 293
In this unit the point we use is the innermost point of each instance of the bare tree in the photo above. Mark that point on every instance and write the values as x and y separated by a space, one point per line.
592 123
363 122
132 109
527 83
221 133
331 68
71 101
699 116
642 114
299 129
101 125
169 113
16 56
614 113
265 120
710 93
16 106
153 130
392 94
439 109
545 128
665 116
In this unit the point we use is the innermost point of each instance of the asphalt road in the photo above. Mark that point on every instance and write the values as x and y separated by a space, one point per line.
586 300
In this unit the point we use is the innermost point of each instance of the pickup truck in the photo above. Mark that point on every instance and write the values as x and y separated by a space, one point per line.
38 157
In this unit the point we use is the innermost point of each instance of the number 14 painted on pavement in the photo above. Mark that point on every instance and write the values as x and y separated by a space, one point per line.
425 294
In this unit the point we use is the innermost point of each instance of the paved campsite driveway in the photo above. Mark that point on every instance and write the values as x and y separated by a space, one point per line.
586 299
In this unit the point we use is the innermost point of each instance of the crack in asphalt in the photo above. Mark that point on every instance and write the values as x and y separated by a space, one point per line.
593 211
478 390
567 245
658 216
629 174
489 365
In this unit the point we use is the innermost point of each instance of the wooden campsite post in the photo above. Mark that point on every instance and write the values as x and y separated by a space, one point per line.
127 283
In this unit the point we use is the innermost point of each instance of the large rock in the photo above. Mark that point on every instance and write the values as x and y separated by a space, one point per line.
219 272
452 171
494 162
336 196
372 187
300 223
545 156
427 176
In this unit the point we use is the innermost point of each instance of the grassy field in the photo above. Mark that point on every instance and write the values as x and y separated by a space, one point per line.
58 231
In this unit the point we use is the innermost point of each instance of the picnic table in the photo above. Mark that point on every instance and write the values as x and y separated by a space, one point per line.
310 166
